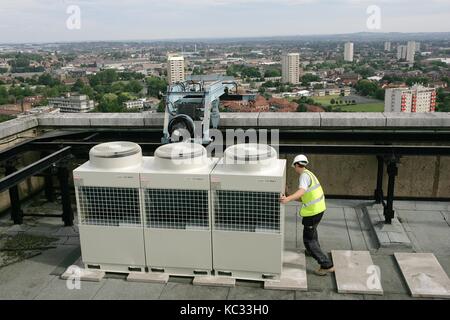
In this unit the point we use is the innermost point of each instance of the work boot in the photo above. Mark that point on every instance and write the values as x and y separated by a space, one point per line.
323 272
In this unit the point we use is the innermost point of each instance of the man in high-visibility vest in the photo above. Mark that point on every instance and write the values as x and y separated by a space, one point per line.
313 208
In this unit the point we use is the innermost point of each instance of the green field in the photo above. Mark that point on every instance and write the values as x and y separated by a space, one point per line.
325 100
360 107
366 107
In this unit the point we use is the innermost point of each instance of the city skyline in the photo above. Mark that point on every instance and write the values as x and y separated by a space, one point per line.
46 21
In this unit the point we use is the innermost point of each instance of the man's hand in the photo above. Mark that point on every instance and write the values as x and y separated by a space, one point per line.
284 199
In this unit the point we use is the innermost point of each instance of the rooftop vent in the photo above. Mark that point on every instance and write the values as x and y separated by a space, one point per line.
116 155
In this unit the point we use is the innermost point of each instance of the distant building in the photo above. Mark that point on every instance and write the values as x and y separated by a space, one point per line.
348 52
349 78
134 104
387 46
72 104
175 69
290 67
415 99
402 52
411 51
417 46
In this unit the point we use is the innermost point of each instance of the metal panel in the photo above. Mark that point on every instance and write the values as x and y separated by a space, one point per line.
248 252
112 245
178 249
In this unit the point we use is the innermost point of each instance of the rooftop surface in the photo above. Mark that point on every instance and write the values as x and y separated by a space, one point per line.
36 275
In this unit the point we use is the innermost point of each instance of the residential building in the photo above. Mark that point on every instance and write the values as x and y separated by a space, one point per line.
72 104
415 99
134 104
387 46
175 69
402 52
348 52
290 63
411 51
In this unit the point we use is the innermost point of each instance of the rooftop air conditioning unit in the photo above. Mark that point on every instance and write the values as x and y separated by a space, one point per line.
248 225
109 208
176 190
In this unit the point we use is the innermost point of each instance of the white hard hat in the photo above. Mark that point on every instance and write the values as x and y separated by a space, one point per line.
302 159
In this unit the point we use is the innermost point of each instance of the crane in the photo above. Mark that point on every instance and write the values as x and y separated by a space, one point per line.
194 103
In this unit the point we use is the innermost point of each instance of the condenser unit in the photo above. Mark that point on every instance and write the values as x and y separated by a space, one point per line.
176 192
109 208
248 219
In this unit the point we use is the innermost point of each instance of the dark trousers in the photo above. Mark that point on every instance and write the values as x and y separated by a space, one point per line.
311 240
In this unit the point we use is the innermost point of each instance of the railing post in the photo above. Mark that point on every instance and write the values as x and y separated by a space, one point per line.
16 211
63 176
392 170
379 191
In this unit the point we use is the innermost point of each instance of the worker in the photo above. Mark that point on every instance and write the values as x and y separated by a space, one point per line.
313 208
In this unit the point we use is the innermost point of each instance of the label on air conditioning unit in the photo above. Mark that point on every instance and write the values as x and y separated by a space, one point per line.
77 181
266 181
216 185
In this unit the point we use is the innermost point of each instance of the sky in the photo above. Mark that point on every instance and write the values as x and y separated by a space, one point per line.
91 20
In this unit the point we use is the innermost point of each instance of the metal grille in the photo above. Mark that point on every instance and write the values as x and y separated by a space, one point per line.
176 209
109 206
247 211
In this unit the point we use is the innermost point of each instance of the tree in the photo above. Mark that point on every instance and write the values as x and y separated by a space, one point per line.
134 86
332 101
366 88
110 103
271 73
308 78
156 85
78 85
302 108
162 106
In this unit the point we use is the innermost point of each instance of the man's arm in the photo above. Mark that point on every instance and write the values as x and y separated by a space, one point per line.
296 196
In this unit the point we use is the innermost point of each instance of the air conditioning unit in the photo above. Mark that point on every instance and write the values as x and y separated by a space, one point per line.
176 193
109 208
248 219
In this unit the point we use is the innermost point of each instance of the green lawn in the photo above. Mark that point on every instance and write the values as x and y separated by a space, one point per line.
360 107
325 100
366 107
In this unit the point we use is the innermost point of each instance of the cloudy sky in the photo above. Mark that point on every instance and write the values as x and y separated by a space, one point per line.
46 20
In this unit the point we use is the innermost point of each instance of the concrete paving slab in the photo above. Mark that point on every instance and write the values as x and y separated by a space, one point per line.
26 279
356 273
424 275
293 276
432 206
354 230
59 289
256 293
72 241
67 232
326 295
214 281
177 291
119 289
83 274
429 230
148 277
389 236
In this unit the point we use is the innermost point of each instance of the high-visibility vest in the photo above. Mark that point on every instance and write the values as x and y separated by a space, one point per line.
314 199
